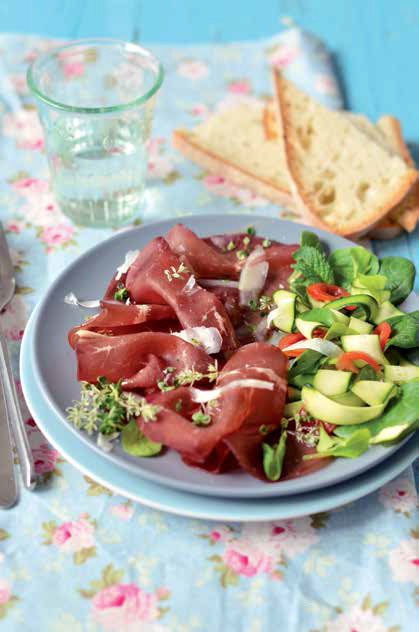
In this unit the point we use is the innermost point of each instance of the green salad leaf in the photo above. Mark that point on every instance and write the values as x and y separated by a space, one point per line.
319 314
306 364
135 443
400 274
405 330
367 373
400 417
348 263
374 285
350 447
273 458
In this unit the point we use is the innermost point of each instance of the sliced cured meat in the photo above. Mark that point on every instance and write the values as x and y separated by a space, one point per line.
260 408
230 298
121 357
236 416
148 375
219 461
207 261
115 315
160 276
279 256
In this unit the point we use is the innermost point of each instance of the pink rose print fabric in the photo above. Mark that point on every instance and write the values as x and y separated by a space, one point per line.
77 556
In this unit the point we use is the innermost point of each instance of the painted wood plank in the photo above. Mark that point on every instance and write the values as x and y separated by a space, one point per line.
70 18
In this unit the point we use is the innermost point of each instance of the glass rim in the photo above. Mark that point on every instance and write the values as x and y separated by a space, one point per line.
94 110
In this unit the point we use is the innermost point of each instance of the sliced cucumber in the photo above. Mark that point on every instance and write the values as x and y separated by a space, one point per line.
405 362
393 433
374 393
386 310
359 326
340 318
337 330
315 303
399 374
293 394
306 327
368 304
366 343
380 431
285 312
328 410
348 399
291 409
332 382
379 293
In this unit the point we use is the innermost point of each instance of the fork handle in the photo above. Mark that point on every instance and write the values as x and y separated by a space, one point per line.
8 485
16 422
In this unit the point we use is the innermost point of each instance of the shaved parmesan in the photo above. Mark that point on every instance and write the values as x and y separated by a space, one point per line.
201 396
190 285
260 330
130 257
71 299
253 276
218 282
207 337
325 347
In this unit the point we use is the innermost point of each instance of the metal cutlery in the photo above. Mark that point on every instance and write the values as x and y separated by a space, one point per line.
12 420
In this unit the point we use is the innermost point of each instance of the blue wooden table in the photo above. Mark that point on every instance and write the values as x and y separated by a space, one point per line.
375 43
76 557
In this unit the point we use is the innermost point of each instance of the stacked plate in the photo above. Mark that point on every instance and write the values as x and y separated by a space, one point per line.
48 378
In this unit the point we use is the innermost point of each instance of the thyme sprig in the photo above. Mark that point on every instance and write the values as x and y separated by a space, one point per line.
173 273
104 407
186 377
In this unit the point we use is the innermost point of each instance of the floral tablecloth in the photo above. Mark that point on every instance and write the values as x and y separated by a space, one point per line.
73 555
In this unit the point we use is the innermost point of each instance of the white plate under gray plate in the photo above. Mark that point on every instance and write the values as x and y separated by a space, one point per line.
54 362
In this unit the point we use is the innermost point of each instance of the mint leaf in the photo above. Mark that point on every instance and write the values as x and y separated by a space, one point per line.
312 264
400 274
273 458
405 330
310 239
135 443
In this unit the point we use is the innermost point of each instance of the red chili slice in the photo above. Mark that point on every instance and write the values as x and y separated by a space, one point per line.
319 333
345 361
383 330
289 339
327 292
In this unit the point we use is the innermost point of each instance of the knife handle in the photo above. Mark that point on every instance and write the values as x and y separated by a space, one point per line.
8 485
16 422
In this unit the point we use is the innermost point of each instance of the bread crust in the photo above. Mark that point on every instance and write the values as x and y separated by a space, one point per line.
182 141
355 228
391 126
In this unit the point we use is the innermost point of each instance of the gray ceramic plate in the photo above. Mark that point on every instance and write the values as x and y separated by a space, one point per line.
55 366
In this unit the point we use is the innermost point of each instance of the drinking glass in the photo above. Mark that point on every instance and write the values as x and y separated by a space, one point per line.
95 100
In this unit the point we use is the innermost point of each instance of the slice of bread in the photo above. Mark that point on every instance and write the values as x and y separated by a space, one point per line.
342 179
405 214
241 144
391 128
